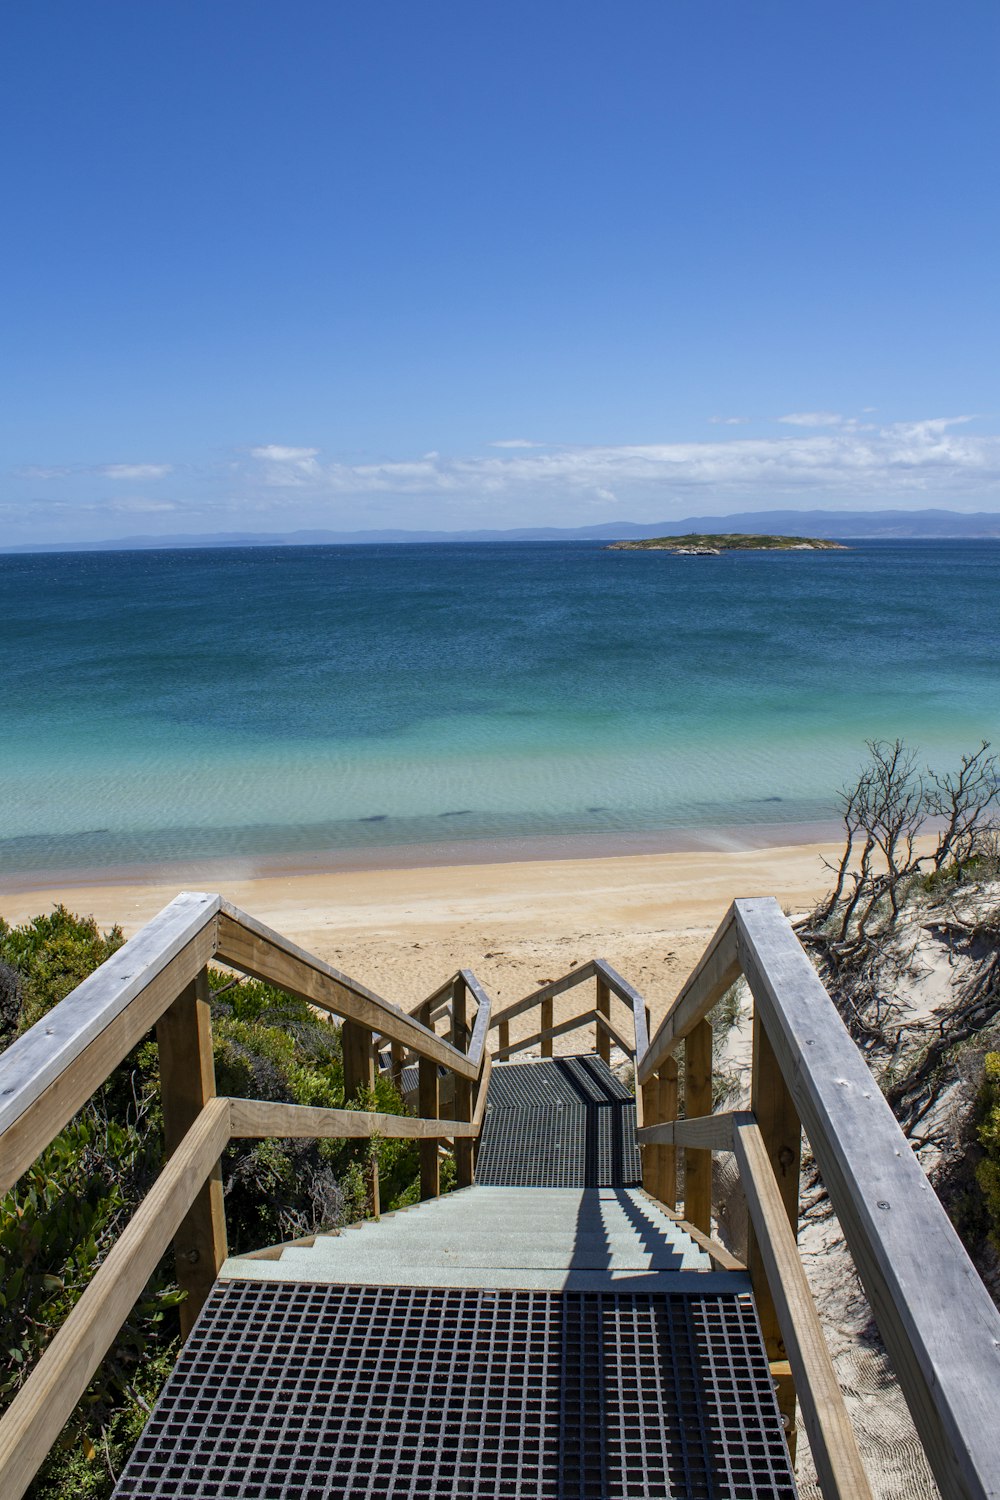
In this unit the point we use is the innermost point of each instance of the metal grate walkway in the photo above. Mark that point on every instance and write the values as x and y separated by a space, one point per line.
526 1337
567 1123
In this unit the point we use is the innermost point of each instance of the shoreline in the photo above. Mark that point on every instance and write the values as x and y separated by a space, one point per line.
445 853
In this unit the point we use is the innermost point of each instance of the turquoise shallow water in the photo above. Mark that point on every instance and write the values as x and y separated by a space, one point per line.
283 701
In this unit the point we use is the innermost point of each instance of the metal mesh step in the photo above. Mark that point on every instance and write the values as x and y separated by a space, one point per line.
565 1123
299 1392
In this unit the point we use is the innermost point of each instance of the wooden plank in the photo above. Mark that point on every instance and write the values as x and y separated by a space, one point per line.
774 1110
702 1133
632 998
649 1150
429 1104
553 988
40 1409
711 977
50 1110
248 945
359 1060
31 1063
940 1328
484 1009
666 1183
266 1119
547 1019
482 1093
831 1438
698 1102
187 1084
607 1032
574 1023
463 1106
503 1039
603 1009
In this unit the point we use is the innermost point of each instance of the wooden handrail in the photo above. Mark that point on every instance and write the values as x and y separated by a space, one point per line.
50 1071
940 1327
717 969
831 1437
547 992
247 944
632 998
263 1119
40 1409
159 978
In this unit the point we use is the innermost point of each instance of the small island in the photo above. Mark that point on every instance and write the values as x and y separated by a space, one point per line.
710 544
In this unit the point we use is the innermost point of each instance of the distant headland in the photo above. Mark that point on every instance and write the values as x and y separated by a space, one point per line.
711 543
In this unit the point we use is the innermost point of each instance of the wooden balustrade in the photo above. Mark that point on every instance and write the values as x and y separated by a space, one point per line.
939 1325
159 979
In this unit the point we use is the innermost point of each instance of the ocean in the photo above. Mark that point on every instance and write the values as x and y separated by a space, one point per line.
308 703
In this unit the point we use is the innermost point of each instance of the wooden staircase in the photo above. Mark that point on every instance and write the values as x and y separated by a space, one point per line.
553 1331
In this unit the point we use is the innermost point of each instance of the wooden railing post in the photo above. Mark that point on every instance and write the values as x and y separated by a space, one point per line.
697 1102
358 1051
603 1008
187 1083
504 1036
665 1188
398 1062
430 1109
651 1115
781 1132
465 1171
547 1023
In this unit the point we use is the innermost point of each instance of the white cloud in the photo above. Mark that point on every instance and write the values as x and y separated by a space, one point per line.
849 462
136 471
729 421
515 443
812 419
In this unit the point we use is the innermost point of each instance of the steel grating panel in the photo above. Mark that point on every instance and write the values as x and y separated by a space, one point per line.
565 1123
299 1392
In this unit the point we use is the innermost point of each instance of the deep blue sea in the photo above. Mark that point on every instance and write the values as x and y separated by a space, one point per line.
261 702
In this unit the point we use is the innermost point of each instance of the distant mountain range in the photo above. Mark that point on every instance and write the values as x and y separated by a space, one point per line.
842 524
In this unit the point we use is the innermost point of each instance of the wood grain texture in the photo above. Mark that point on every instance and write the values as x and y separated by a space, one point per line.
429 1104
484 1009
608 1032
187 1084
37 1414
711 977
248 945
554 987
603 1009
666 1182
774 1110
631 998
463 1105
42 1119
267 1119
44 1052
588 1018
939 1325
702 1133
831 1438
698 1104
546 1022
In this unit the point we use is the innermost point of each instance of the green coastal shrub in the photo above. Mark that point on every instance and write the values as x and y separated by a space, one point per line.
988 1129
63 1215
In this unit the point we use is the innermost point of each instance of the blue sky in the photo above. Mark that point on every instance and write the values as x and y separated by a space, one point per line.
470 264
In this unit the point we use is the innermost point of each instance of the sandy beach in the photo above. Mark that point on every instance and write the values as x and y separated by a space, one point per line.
515 924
